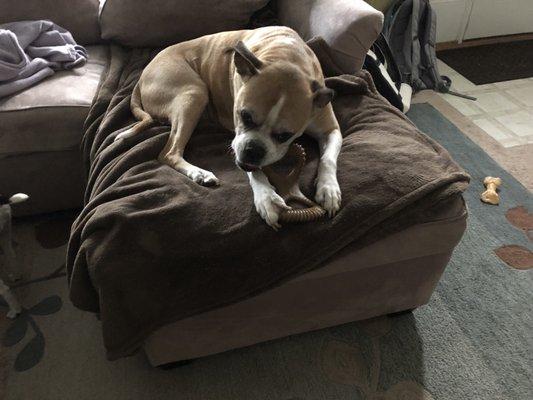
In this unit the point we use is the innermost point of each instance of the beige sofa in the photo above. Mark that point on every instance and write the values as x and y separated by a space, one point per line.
41 128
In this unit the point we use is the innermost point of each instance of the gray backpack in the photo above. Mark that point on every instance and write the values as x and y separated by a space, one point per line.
410 30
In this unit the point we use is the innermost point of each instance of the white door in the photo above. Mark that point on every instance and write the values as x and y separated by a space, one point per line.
499 17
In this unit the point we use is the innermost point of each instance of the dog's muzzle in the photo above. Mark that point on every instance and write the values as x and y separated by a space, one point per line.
247 167
251 156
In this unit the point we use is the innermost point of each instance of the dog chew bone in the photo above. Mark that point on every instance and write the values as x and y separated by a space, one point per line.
490 195
287 187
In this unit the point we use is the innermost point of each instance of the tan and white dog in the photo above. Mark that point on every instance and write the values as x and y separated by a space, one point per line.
266 85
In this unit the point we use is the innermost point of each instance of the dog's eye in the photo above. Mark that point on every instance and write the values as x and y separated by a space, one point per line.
282 137
247 119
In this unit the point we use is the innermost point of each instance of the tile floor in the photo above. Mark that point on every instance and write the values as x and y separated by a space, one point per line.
504 110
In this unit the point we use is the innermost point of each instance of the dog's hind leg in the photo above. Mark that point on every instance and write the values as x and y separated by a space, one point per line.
186 109
145 119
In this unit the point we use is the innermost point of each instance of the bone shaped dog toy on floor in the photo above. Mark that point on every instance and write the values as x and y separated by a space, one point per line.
7 248
490 195
287 187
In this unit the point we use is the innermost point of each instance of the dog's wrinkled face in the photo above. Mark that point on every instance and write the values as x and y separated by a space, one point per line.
272 107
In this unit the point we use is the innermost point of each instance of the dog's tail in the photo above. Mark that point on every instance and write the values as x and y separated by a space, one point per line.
145 119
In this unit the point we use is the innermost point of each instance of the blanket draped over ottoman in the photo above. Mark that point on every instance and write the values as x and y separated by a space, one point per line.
151 247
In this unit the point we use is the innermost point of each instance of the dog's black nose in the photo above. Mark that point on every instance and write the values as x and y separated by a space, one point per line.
253 152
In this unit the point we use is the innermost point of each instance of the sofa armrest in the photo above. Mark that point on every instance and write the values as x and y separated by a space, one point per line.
348 26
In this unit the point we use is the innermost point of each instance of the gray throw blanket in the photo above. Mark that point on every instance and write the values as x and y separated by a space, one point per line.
151 246
32 50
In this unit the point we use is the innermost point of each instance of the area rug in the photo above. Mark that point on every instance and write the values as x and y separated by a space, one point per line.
471 342
492 62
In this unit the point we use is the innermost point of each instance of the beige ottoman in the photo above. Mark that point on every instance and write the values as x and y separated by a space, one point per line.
394 274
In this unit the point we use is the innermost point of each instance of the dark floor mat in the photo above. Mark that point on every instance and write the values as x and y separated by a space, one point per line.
493 62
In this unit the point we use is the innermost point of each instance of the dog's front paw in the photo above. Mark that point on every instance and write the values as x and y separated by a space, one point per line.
269 205
202 177
328 195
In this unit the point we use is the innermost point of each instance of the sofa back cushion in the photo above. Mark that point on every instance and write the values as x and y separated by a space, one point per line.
155 23
79 17
349 27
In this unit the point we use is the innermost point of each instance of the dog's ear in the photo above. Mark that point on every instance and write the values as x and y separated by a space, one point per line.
321 95
246 63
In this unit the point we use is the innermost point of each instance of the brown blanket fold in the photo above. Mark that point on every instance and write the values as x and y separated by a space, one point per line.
152 247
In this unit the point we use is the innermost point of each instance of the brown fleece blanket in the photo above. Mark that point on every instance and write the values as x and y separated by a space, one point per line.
152 247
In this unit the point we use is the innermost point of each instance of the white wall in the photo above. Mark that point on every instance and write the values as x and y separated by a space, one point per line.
499 17
451 19
459 20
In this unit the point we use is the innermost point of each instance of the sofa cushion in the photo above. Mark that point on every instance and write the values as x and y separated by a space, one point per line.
348 26
49 116
79 17
155 23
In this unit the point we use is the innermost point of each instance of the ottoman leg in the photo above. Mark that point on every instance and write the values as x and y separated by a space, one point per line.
400 313
174 365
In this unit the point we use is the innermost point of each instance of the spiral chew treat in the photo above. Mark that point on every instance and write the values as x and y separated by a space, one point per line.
287 187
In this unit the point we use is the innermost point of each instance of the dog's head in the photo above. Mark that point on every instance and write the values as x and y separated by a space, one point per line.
274 103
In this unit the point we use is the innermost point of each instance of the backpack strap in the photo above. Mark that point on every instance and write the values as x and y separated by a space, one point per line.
416 56
398 17
431 76
389 16
382 50
383 82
